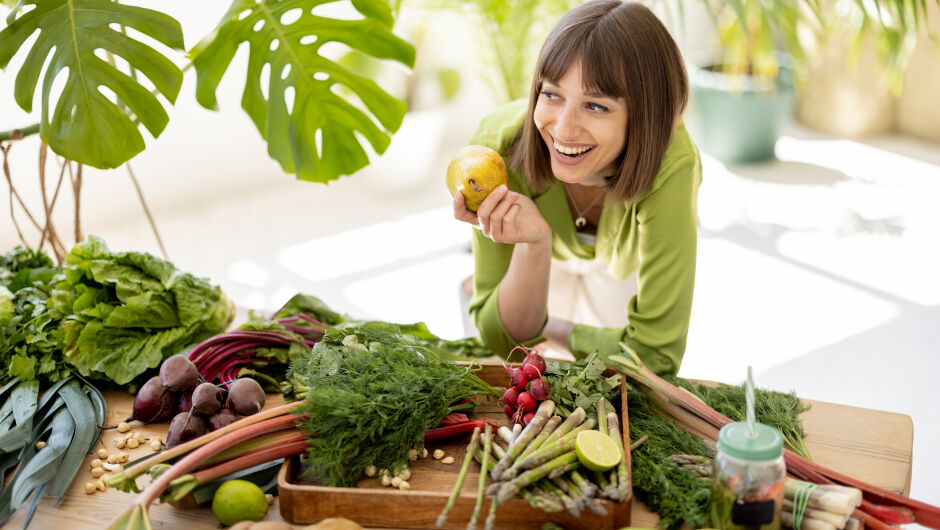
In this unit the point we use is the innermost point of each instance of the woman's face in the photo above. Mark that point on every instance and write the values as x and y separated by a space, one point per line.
585 132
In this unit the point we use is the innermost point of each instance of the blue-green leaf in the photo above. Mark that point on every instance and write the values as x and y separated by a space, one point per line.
83 124
316 137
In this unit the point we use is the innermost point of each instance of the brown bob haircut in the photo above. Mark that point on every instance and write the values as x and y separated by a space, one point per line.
625 51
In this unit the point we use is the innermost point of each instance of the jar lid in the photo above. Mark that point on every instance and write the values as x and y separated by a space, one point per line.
736 440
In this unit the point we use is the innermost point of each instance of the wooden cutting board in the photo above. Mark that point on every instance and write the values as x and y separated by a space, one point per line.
871 445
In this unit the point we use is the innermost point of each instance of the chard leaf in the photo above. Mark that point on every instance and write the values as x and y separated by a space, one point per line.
315 135
84 124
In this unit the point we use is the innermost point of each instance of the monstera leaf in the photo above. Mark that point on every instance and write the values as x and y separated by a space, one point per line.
310 130
84 124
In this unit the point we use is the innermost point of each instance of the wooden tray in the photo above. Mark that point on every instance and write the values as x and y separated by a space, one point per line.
302 501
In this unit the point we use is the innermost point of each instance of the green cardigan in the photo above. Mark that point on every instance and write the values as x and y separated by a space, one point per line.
655 236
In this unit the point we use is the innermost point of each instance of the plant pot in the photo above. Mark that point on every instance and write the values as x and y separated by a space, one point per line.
739 116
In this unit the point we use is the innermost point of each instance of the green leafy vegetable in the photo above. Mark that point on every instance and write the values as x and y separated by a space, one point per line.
127 311
581 384
311 131
84 124
372 395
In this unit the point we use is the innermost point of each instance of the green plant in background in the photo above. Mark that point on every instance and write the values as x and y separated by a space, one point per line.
753 33
511 33
310 131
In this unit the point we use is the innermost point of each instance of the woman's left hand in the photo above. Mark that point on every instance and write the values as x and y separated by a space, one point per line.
509 217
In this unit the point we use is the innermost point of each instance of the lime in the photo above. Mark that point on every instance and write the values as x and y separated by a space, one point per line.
597 451
239 500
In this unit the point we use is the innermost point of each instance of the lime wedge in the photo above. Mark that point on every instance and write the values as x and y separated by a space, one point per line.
597 451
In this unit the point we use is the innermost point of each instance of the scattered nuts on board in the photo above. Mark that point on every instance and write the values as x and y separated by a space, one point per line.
89 488
133 443
371 471
119 443
405 474
386 480
102 453
97 472
123 457
156 439
396 482
123 426
112 467
404 485
96 463
156 445
270 498
448 460
424 453
99 485
40 444
112 459
412 454
139 436
438 454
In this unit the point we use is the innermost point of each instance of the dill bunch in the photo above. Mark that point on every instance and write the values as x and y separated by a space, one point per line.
667 489
777 409
372 395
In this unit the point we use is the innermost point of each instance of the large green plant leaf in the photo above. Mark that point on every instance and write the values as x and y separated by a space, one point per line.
83 124
316 136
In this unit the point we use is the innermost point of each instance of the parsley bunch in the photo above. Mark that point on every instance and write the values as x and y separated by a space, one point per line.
581 384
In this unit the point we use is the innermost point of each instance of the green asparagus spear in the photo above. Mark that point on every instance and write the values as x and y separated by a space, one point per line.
573 420
487 448
601 415
511 488
621 491
563 445
566 501
564 469
471 448
542 415
514 469
588 489
491 517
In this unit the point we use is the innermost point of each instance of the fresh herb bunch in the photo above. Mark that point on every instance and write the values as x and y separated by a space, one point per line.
780 410
581 384
31 339
672 492
372 394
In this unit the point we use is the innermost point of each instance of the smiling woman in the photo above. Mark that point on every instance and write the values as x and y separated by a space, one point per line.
593 242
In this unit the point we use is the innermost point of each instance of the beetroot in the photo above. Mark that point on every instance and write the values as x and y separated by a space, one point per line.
510 397
245 396
206 399
539 389
186 401
185 427
222 418
153 402
179 373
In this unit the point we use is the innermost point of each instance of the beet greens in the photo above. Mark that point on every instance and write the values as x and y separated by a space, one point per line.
372 394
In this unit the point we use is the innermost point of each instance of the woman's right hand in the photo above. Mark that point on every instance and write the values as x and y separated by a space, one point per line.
506 217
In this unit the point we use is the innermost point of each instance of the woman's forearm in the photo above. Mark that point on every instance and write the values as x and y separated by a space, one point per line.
523 292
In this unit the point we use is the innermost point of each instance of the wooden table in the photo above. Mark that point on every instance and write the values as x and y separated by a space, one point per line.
870 445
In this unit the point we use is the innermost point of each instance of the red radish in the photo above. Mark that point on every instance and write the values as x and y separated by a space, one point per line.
527 418
539 389
509 411
153 402
510 397
527 402
534 365
517 379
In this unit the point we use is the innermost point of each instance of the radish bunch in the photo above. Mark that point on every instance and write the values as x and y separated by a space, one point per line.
527 387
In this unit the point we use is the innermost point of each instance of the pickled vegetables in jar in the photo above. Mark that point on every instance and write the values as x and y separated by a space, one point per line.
748 478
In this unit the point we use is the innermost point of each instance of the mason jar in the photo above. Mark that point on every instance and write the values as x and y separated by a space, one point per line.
748 478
